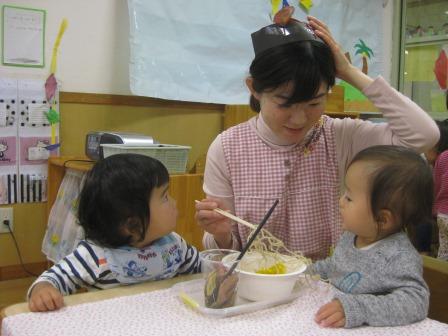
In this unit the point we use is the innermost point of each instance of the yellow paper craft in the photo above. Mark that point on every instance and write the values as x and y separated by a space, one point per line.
275 6
54 57
306 4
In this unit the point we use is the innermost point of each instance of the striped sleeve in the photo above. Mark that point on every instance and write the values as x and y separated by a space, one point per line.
82 268
190 262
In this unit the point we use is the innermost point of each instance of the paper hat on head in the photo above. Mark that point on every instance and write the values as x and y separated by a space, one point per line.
284 31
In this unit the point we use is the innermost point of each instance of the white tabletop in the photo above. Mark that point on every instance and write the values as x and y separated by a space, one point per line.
160 312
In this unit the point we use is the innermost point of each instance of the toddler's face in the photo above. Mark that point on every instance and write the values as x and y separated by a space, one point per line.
163 216
354 203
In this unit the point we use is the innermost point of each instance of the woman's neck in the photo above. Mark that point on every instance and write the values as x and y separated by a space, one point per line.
269 136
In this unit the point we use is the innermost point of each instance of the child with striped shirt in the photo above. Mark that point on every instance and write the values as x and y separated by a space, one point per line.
128 219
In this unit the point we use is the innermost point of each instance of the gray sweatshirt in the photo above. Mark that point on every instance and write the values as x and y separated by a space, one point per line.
379 286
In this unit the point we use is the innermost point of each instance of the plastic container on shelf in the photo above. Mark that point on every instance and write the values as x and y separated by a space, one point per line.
174 157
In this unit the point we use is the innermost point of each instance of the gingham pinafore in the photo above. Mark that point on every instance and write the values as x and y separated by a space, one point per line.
304 179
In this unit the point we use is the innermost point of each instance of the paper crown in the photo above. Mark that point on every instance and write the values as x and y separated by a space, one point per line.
285 31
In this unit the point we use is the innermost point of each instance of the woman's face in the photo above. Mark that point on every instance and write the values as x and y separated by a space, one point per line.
290 123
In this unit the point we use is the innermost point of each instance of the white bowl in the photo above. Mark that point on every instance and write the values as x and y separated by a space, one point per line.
259 287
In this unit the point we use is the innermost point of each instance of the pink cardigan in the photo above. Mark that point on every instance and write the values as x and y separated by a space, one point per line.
440 173
408 125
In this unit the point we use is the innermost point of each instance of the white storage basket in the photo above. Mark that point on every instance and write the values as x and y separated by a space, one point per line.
174 157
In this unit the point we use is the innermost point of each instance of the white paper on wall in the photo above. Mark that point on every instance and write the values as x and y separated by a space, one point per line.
8 141
201 50
34 139
3 114
37 114
24 139
23 36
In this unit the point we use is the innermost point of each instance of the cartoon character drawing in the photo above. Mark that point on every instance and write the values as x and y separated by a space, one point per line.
349 282
42 143
133 270
39 151
171 258
3 149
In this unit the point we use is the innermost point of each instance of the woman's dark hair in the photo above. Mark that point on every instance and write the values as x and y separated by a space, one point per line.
401 182
116 195
306 64
442 145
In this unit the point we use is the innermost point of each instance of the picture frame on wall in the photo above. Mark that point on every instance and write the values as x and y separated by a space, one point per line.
23 36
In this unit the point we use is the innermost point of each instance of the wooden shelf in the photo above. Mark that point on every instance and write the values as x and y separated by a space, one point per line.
78 163
421 41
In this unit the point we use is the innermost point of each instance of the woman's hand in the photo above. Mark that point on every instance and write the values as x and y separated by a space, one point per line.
344 70
45 297
331 315
214 223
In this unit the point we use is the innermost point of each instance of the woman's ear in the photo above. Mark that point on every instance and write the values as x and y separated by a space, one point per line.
250 86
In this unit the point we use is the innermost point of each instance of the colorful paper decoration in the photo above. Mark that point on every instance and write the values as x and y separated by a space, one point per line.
306 4
51 83
441 70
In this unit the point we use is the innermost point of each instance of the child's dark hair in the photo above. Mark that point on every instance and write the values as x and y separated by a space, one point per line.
307 64
116 195
442 145
401 182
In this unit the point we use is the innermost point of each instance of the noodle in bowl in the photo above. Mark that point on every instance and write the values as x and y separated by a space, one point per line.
259 287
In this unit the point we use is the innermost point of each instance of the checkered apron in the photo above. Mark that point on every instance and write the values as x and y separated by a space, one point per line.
304 179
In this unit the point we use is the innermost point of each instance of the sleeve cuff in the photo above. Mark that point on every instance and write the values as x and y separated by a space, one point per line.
209 242
354 315
39 280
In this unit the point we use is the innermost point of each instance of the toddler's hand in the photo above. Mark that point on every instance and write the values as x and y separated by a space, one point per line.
331 315
45 297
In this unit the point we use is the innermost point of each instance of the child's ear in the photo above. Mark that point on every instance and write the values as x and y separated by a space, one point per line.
131 229
127 232
250 86
386 221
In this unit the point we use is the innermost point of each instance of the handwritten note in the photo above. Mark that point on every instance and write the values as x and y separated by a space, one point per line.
23 36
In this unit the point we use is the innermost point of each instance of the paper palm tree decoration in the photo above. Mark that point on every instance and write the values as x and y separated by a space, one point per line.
51 84
365 52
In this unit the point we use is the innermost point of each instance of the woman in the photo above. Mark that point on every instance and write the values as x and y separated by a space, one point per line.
291 151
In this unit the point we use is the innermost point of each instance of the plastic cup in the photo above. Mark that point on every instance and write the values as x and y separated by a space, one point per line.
220 288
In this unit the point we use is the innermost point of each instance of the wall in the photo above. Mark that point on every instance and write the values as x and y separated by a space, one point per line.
187 126
94 59
94 51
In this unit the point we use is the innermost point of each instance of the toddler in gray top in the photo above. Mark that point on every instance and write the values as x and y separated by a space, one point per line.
375 268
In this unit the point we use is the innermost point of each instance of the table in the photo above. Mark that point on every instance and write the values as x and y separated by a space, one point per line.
155 309
99 295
